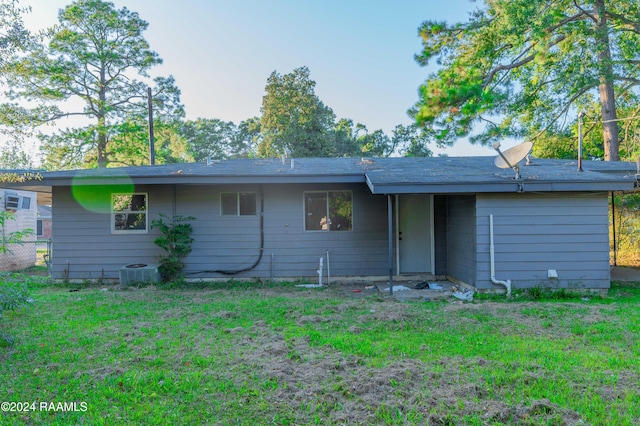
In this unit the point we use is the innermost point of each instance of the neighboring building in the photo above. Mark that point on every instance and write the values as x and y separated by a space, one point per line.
44 225
272 218
22 207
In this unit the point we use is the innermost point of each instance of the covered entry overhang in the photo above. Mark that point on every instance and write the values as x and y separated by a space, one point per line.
470 176
458 175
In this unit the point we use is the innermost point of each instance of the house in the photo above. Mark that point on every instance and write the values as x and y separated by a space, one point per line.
275 218
18 214
44 225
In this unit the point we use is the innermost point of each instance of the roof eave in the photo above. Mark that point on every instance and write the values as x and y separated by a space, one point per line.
497 187
192 179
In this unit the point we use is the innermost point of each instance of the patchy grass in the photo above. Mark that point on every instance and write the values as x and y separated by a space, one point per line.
256 354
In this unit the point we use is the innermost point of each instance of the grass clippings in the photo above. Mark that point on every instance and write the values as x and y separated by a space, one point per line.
253 354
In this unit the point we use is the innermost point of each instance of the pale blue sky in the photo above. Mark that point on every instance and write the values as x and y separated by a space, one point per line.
360 52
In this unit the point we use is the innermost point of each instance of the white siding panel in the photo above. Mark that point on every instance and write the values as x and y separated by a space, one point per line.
20 256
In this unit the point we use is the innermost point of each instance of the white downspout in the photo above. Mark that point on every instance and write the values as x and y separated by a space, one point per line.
320 273
507 283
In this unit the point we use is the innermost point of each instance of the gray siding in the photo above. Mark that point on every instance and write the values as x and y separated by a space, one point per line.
440 233
461 238
84 244
534 233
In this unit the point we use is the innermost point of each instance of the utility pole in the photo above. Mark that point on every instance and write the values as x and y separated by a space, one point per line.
152 150
581 115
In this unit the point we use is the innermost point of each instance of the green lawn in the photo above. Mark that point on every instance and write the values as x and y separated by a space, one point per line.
258 354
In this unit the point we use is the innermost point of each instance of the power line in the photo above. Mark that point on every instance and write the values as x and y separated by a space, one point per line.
611 121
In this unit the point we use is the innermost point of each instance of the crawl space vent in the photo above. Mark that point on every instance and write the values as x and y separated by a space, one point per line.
139 273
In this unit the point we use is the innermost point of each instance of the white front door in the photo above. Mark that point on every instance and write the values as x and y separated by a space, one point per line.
415 233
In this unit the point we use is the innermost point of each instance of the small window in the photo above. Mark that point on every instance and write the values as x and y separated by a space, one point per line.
40 229
26 203
328 211
238 204
129 213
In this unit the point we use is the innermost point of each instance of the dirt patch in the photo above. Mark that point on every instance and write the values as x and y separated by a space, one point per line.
534 318
225 314
343 389
388 312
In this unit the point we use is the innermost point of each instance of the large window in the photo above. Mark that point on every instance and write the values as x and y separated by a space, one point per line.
129 213
238 204
328 211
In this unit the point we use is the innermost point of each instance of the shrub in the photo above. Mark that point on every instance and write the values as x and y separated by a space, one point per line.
12 295
175 241
8 238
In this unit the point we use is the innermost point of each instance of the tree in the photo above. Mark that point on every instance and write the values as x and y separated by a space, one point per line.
352 141
247 138
294 120
94 56
630 132
523 68
130 145
13 157
209 138
14 38
13 35
217 139
347 139
411 141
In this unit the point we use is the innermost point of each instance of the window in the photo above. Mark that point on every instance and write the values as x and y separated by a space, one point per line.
26 203
328 211
129 213
39 228
238 204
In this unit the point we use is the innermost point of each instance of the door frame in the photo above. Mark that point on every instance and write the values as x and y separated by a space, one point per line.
432 260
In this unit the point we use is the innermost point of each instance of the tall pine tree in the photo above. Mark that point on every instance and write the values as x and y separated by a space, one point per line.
522 68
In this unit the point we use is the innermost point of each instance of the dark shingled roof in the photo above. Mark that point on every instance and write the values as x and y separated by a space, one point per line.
382 175
479 174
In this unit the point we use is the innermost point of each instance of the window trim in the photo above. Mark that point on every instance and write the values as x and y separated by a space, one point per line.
114 213
327 192
238 212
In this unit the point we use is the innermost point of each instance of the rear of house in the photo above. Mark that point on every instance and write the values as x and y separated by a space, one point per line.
256 231
369 218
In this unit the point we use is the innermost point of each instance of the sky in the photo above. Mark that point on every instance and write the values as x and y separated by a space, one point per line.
360 53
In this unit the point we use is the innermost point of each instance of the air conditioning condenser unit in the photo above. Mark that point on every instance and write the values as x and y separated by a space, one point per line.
139 273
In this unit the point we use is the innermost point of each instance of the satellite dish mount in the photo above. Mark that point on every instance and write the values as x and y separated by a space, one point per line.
512 157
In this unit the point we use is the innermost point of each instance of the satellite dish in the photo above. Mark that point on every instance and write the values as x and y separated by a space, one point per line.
511 158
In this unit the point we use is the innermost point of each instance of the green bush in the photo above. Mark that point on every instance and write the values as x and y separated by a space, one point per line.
176 241
12 295
8 238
